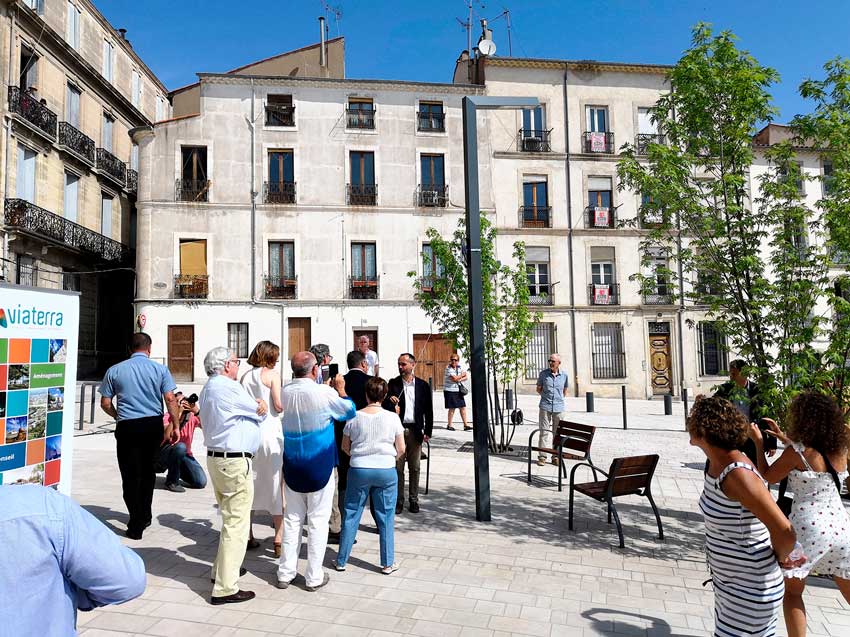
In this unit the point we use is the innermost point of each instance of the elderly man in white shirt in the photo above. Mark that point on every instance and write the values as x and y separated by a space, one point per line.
232 434
374 368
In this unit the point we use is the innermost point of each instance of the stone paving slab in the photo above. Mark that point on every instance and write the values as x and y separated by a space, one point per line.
524 573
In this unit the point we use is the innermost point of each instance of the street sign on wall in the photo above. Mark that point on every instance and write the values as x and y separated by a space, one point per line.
38 371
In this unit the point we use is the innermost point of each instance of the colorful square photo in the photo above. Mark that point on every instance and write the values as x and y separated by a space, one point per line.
35 451
32 474
52 471
36 422
4 343
58 350
3 372
55 399
19 350
16 403
19 377
16 430
39 350
53 448
54 423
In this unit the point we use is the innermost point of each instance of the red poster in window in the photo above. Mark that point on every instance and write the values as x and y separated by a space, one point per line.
601 217
597 142
601 294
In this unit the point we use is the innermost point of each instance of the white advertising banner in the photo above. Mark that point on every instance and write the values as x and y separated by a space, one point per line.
38 373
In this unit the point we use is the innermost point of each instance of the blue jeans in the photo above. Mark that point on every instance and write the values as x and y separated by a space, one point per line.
382 486
182 467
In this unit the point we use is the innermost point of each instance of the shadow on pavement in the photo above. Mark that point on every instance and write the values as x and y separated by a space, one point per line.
646 625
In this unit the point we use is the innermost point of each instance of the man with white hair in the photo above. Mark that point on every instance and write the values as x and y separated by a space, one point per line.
232 434
371 356
552 385
309 458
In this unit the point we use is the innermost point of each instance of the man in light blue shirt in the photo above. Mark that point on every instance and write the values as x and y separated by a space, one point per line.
140 385
57 558
552 386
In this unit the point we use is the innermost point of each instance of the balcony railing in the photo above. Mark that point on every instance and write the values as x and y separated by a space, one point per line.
191 286
533 140
598 142
362 194
281 288
603 294
535 217
132 180
600 217
432 195
651 219
659 297
76 142
432 122
279 191
280 115
363 287
192 189
32 111
29 218
111 166
643 140
541 294
427 282
360 118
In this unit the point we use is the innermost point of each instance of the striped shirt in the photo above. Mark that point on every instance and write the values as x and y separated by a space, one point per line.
309 446
748 584
373 439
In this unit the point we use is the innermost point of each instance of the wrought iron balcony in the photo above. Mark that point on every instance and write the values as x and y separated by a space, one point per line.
651 219
278 287
432 122
363 286
659 297
280 115
603 294
279 192
132 180
191 286
600 217
109 165
426 283
27 107
541 294
38 222
360 118
533 141
432 195
643 140
598 142
192 189
535 217
76 142
362 194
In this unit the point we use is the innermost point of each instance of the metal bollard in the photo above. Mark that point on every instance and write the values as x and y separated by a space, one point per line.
588 399
668 405
431 383
625 416
82 405
685 402
509 399
93 393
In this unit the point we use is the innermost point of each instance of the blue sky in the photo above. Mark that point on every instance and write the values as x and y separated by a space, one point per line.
421 40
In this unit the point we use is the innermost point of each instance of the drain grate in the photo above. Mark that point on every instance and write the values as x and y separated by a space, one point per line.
469 447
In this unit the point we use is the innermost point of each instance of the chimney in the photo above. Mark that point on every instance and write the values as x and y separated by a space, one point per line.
123 33
323 54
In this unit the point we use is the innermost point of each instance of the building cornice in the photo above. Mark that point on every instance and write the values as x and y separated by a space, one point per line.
578 65
318 82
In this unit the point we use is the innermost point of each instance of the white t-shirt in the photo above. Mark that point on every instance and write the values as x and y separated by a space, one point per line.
373 439
371 361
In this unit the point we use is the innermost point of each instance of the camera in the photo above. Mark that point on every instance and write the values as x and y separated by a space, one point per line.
191 399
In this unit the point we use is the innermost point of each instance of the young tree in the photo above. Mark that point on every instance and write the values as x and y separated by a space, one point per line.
443 294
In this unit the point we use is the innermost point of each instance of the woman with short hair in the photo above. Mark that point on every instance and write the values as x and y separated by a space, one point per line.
375 441
453 380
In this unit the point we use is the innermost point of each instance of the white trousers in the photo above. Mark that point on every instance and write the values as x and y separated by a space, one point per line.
315 508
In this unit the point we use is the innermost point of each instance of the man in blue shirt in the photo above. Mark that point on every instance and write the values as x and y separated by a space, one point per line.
140 385
552 386
57 559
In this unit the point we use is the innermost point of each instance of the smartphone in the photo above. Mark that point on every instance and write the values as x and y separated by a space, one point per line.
769 440
333 370
325 372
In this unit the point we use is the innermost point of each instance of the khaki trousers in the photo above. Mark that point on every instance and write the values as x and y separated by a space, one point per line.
233 485
547 423
412 456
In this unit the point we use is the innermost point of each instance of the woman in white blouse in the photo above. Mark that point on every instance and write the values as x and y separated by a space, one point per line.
375 440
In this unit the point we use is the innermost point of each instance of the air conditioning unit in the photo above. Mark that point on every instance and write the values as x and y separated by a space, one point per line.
531 144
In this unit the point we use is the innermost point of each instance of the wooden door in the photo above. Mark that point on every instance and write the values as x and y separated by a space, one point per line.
660 362
299 335
432 356
181 352
373 340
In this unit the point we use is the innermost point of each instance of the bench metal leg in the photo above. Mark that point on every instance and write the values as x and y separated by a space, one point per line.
571 507
427 466
609 512
657 516
613 509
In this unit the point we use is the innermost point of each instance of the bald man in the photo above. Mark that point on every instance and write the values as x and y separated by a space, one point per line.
552 386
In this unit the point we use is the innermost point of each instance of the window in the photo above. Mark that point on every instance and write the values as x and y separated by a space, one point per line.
134 156
160 108
432 190
72 189
535 202
26 271
25 184
362 190
360 113
432 269
651 214
237 339
609 355
597 137
645 124
537 271
363 262
72 28
712 350
282 260
281 166
35 5
603 281
798 175
28 69
108 52
431 116
533 122
193 184
71 282
106 132
106 215
193 281
136 89
542 343
597 119
828 178
659 291
280 111
599 198
72 106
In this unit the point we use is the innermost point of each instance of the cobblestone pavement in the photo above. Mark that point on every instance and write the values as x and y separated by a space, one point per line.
524 573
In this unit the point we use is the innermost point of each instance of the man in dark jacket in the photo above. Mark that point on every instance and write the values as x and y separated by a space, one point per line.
744 394
411 399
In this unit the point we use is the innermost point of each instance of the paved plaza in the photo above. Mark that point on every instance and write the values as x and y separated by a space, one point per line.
524 573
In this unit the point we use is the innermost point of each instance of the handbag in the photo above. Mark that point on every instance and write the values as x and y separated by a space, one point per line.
462 389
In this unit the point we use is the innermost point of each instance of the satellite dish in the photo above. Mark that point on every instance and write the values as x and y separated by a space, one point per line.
486 47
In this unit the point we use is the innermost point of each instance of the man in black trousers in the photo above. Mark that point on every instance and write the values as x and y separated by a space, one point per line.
411 399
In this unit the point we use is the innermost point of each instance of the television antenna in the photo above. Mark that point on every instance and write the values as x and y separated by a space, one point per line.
506 14
467 24
336 11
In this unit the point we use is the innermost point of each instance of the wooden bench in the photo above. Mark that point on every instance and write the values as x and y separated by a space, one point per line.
627 476
571 441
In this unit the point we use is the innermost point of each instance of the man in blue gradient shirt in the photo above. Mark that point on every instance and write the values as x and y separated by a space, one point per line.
309 458
57 558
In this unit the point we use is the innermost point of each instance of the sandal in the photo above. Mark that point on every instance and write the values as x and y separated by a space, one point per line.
467 428
252 543
277 549
450 428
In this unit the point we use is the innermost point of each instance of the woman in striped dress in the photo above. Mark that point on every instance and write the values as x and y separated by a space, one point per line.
745 532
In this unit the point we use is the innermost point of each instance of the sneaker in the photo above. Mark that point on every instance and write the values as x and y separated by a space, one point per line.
399 507
284 585
339 567
389 570
176 488
555 460
325 581
541 462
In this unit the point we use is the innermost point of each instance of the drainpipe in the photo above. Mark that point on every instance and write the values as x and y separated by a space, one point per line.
7 124
681 310
570 239
253 204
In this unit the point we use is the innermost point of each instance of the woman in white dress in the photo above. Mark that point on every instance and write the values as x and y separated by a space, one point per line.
815 461
261 381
